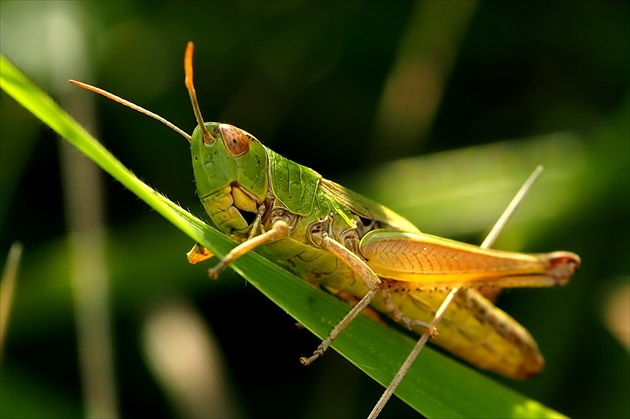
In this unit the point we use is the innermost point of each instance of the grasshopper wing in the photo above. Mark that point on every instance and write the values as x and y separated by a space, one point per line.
433 262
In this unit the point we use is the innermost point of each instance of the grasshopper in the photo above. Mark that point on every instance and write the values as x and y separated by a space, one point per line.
359 249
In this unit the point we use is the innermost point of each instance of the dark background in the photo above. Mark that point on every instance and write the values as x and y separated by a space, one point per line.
310 80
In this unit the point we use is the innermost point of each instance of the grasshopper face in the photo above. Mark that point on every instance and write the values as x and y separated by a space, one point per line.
230 168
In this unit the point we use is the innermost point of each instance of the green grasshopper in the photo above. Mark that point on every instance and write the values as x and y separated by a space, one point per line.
359 249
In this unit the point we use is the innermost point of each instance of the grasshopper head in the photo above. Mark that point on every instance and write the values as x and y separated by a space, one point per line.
230 168
233 158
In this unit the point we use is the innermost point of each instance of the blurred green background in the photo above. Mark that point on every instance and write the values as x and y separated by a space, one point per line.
437 109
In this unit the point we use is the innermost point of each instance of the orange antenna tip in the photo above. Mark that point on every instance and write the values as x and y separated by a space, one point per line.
188 68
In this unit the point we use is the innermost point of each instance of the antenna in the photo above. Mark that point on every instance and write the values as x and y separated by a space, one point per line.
188 69
132 106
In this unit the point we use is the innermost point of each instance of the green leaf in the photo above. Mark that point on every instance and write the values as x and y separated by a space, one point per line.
436 385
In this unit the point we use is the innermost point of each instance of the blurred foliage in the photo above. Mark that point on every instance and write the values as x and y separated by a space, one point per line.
310 80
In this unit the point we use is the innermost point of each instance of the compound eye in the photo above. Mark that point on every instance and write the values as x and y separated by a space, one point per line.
236 140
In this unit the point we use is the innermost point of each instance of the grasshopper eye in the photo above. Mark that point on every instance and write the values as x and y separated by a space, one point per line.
236 140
